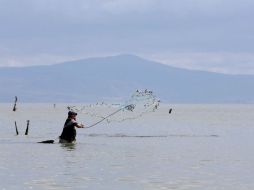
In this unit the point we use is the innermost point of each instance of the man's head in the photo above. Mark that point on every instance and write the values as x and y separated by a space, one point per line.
72 114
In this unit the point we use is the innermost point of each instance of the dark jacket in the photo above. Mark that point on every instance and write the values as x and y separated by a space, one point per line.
69 131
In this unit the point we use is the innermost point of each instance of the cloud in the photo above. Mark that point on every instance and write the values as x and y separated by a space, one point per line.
225 62
64 29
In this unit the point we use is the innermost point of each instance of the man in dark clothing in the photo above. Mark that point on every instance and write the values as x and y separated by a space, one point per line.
69 132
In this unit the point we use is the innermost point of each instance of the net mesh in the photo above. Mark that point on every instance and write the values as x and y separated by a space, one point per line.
139 103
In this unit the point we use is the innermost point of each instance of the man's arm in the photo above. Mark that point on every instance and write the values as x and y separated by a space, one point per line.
80 125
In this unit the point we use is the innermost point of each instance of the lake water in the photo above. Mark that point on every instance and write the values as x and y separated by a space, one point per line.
199 147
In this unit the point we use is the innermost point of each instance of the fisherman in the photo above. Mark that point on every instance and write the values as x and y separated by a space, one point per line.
69 132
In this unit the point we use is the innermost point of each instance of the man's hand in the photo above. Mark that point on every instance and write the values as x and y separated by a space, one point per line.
80 125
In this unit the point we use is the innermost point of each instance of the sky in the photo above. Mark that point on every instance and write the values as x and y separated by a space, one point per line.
211 35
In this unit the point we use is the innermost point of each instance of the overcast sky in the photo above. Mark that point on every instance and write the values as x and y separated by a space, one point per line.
213 35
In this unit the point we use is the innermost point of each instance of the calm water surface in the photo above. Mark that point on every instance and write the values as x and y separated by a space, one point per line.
195 147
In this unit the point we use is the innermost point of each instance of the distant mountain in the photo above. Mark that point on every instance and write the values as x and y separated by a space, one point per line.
112 78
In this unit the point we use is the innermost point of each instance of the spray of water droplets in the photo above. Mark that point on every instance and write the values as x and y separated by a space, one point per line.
140 103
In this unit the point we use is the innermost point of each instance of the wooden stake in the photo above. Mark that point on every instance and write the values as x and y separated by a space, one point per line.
17 132
27 127
15 103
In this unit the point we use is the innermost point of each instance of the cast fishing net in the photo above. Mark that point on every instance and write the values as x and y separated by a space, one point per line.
139 103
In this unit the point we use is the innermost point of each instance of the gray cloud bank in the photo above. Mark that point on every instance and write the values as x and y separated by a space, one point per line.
214 35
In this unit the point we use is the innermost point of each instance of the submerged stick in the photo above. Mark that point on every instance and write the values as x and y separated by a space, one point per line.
15 104
27 127
47 142
17 132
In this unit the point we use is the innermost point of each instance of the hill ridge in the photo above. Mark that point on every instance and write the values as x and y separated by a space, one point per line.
115 77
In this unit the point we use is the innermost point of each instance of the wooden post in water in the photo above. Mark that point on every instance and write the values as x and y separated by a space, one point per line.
27 127
15 104
17 132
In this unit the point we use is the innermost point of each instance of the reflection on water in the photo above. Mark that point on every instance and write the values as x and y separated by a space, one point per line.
68 146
